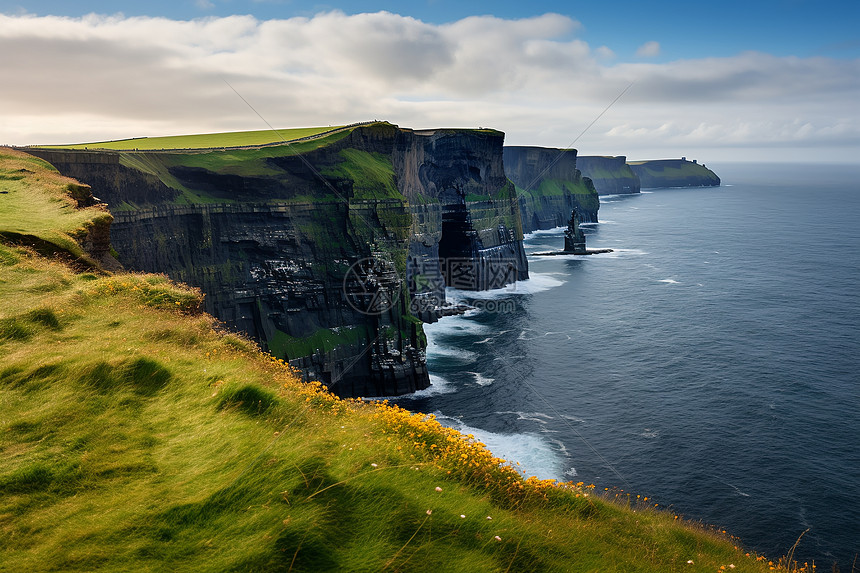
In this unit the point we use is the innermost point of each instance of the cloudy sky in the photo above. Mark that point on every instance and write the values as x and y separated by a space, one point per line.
751 80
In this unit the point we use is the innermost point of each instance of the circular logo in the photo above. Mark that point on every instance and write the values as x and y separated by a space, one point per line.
371 286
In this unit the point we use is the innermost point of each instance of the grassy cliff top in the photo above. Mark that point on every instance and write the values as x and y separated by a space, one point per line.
673 173
205 140
39 207
135 436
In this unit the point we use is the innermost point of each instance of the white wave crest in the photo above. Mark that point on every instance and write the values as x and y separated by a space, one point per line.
538 417
482 380
537 455
543 232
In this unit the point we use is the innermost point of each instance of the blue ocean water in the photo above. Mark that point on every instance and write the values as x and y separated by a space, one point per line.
711 362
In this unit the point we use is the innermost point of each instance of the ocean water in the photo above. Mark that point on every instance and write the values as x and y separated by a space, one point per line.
712 362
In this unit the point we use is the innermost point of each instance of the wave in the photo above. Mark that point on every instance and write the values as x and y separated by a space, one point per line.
536 455
669 281
435 351
533 259
456 325
616 252
538 417
438 385
482 380
543 232
538 282
522 335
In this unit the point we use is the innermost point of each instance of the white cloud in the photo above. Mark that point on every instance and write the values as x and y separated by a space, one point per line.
101 77
648 50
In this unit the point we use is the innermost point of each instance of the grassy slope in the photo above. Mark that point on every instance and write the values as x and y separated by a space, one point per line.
202 140
36 204
135 436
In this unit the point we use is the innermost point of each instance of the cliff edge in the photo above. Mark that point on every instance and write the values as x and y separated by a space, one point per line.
673 173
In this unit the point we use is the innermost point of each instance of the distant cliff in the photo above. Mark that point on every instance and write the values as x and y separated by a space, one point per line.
673 173
327 251
610 175
549 186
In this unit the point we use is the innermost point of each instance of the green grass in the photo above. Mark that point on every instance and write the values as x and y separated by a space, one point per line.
38 208
135 435
585 196
372 174
251 163
324 339
202 140
674 172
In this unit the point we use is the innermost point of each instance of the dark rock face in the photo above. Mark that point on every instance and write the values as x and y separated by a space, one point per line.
611 175
549 186
475 242
326 254
674 173
574 238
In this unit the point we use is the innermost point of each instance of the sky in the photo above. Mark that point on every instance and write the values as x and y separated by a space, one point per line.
760 80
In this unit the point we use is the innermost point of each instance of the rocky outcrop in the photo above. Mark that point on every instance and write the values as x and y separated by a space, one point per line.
673 173
328 251
574 238
610 175
549 186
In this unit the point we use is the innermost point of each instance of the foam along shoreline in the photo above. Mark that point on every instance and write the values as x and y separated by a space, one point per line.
557 253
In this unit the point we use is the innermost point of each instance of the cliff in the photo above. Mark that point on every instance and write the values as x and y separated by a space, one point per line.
610 175
549 186
673 173
325 251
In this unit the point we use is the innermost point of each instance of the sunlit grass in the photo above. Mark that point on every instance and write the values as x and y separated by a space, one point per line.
37 205
202 140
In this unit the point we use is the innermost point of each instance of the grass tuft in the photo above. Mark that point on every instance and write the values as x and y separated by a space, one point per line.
15 329
145 375
44 317
249 399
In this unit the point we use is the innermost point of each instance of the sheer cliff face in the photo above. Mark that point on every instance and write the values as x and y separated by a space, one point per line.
674 173
549 186
317 256
470 234
610 175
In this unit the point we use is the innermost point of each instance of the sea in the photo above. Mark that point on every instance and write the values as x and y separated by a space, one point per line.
711 362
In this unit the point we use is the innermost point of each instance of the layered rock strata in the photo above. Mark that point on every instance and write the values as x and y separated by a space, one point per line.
328 251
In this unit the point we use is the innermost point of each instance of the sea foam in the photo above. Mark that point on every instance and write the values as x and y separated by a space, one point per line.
537 455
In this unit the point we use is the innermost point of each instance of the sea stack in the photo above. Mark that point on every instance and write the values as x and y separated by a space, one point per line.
574 238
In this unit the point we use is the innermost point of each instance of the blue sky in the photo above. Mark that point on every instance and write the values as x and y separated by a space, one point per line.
762 79
684 29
